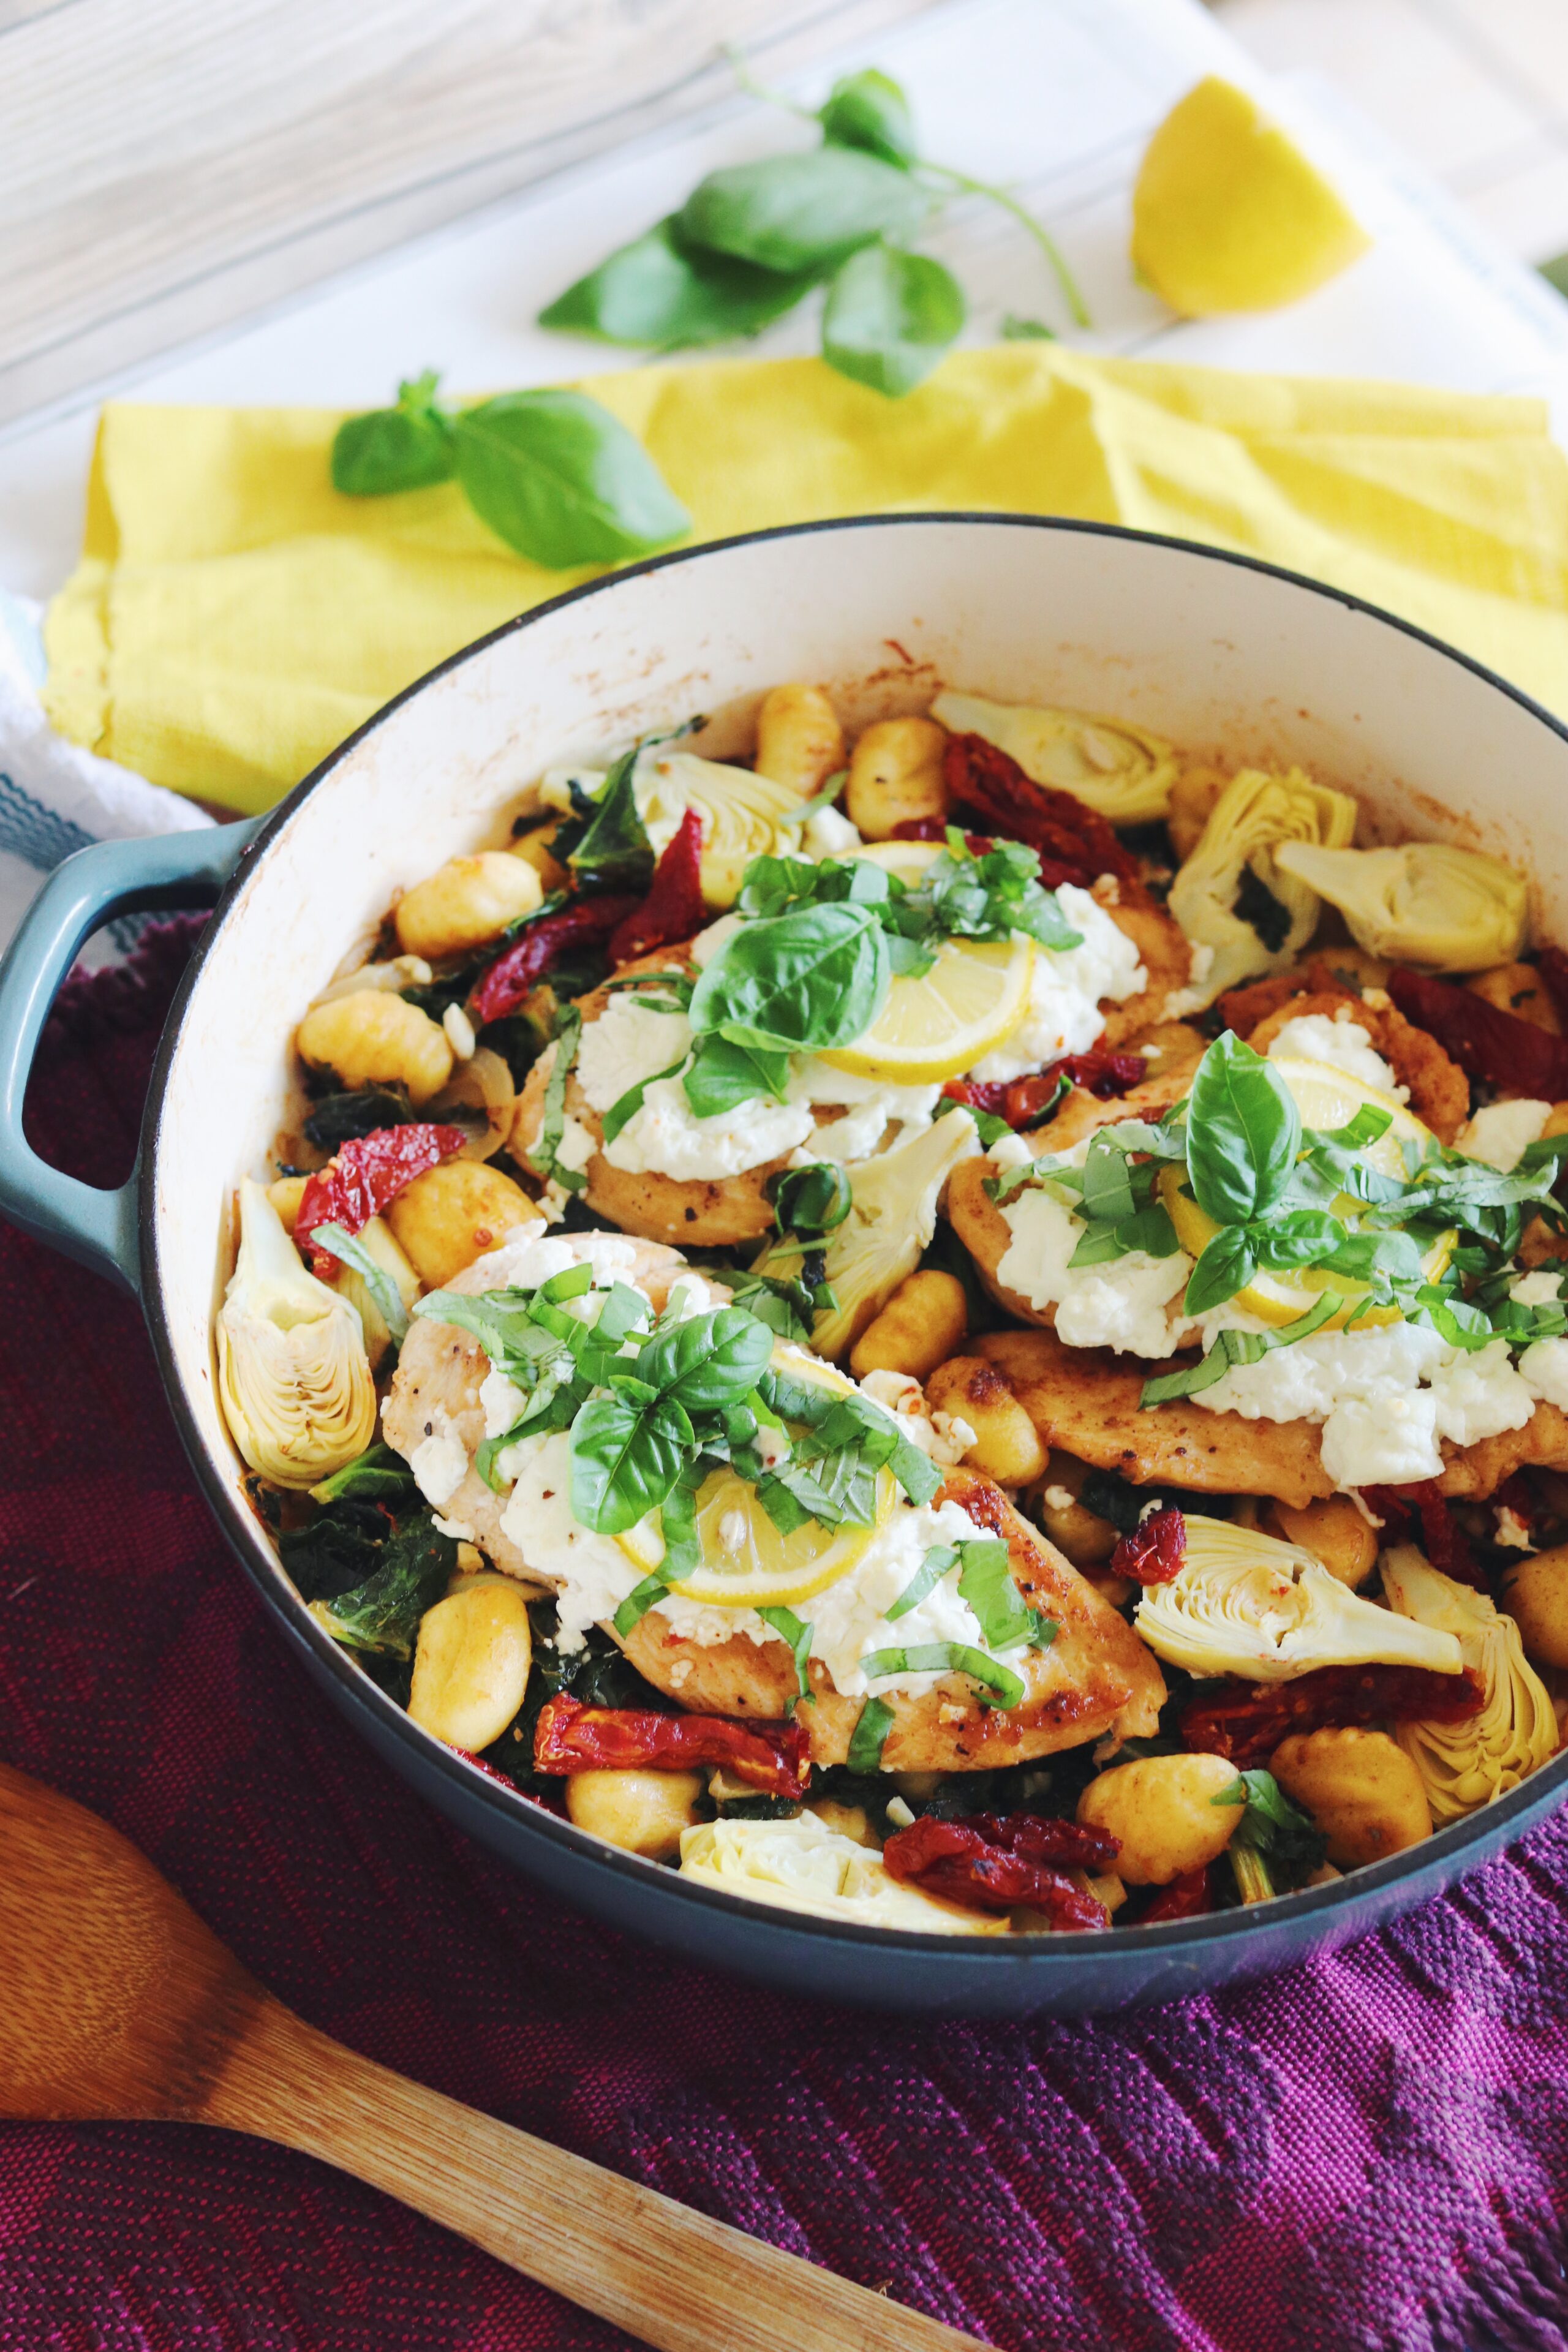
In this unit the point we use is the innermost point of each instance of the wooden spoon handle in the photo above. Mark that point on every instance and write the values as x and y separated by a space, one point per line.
674 2277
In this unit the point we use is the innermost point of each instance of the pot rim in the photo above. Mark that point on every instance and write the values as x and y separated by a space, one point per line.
248 1538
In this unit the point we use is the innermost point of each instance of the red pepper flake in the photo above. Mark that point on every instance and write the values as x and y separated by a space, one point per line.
1420 1512
673 908
1022 1101
501 988
1075 843
572 1738
993 1865
1489 1043
1248 1723
362 1176
1187 1897
1156 1550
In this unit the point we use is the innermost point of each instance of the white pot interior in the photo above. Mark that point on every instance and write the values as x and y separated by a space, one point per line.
1224 659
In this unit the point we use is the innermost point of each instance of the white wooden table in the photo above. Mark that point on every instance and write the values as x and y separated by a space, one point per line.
1056 96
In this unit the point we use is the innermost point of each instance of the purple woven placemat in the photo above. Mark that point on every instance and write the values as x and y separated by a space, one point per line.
1370 2152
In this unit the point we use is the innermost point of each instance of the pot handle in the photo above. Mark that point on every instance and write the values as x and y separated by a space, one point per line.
160 873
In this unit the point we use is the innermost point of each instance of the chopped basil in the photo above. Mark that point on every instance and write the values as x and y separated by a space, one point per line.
1233 1348
790 1627
987 1583
925 1579
947 1658
869 1737
543 1159
350 1253
625 1109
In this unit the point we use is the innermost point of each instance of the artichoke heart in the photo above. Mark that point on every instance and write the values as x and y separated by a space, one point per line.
1427 903
804 1865
891 1220
1251 1604
743 815
1469 1763
1110 765
293 1376
1252 816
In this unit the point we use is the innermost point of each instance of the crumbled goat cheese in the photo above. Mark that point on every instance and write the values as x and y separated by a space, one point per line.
1065 992
440 1461
1500 1131
1342 1043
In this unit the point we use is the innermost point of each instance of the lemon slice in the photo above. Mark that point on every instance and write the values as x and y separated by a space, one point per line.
746 1563
1228 212
938 1026
906 859
1326 1098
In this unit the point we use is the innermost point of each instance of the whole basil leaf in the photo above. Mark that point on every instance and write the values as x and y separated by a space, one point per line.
890 316
662 293
802 212
403 448
1228 1263
1304 1238
708 1362
563 481
1243 1133
615 852
807 980
625 1460
870 111
722 1076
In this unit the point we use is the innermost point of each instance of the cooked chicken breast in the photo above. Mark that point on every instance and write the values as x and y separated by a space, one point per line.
435 1387
1096 1677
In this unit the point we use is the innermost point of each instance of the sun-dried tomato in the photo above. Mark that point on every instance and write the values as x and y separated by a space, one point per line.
1552 965
1187 1897
1022 1102
1156 1550
1420 1512
362 1176
1247 1724
1076 844
501 987
673 908
1485 1041
994 1864
571 1737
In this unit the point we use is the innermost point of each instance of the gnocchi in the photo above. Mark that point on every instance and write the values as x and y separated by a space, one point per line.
1167 1813
1006 1444
923 1324
466 904
799 740
642 1812
373 1038
1360 1787
896 776
471 1662
453 1215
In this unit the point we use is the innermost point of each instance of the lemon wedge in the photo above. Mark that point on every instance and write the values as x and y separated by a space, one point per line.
1228 212
745 1563
1326 1098
939 1025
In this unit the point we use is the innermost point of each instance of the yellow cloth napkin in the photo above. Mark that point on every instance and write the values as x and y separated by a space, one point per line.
232 617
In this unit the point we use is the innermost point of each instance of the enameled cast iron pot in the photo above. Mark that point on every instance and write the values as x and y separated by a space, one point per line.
1217 652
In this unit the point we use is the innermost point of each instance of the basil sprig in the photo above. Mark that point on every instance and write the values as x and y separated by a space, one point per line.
551 472
809 965
752 240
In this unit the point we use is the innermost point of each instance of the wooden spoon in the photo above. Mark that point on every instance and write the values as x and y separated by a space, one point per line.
121 2006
